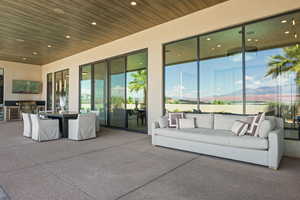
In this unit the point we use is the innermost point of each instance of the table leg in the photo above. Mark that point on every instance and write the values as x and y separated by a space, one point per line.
65 128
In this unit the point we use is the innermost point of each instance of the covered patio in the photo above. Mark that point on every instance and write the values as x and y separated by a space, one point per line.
124 165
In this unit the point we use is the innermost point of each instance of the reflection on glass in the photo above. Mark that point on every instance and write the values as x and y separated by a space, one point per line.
181 87
100 93
117 93
49 91
61 87
272 69
1 94
86 88
221 70
181 75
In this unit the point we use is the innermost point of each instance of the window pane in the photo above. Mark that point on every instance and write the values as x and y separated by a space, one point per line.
86 88
49 91
181 87
271 72
100 93
117 92
137 61
221 72
180 52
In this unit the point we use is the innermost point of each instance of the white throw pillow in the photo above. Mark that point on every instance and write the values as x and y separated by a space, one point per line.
186 123
163 122
239 128
265 128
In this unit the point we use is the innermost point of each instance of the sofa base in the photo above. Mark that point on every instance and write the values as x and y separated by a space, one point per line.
259 157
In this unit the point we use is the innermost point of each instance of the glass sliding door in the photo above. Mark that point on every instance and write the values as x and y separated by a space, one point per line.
49 90
86 88
100 91
136 80
1 94
61 95
117 97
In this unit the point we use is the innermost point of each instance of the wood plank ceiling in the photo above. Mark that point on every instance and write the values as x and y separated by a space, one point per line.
35 31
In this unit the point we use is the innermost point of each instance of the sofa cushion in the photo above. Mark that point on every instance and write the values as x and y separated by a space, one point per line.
265 128
186 123
225 122
211 136
201 120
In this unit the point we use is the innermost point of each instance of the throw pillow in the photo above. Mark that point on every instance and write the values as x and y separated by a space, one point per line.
265 128
186 123
173 119
239 128
163 122
256 122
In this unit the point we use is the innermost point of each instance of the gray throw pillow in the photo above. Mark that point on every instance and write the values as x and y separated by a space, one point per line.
163 122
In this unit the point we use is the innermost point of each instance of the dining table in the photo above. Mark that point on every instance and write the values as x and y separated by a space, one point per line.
63 118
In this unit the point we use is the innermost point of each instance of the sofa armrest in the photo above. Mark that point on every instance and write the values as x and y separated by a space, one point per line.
276 147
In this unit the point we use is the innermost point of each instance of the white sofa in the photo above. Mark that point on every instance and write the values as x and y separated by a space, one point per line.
213 136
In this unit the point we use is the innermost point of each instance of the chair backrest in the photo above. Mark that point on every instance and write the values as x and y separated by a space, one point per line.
27 125
35 126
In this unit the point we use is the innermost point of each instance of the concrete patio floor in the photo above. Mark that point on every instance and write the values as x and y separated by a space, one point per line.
124 165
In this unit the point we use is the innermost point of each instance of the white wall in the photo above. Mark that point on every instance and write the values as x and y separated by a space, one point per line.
227 14
20 71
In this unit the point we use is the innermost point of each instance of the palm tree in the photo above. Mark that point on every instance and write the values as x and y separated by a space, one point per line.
139 83
289 62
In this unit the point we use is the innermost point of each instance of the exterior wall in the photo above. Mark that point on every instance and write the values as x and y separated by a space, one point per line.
20 71
227 14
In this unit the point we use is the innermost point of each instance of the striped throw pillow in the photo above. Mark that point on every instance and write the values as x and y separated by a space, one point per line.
255 124
239 128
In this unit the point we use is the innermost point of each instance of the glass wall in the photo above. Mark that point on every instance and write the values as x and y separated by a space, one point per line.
136 80
86 88
117 92
1 94
100 91
49 90
242 70
181 79
116 89
61 95
221 72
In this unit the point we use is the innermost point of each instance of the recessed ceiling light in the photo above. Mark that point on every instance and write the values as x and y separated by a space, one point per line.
294 22
296 35
208 39
284 21
218 45
68 37
256 40
94 23
133 3
24 58
49 46
34 53
287 32
249 40
58 11
19 40
213 48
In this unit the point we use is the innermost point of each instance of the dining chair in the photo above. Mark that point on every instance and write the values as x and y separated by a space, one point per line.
27 127
97 119
44 129
82 128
